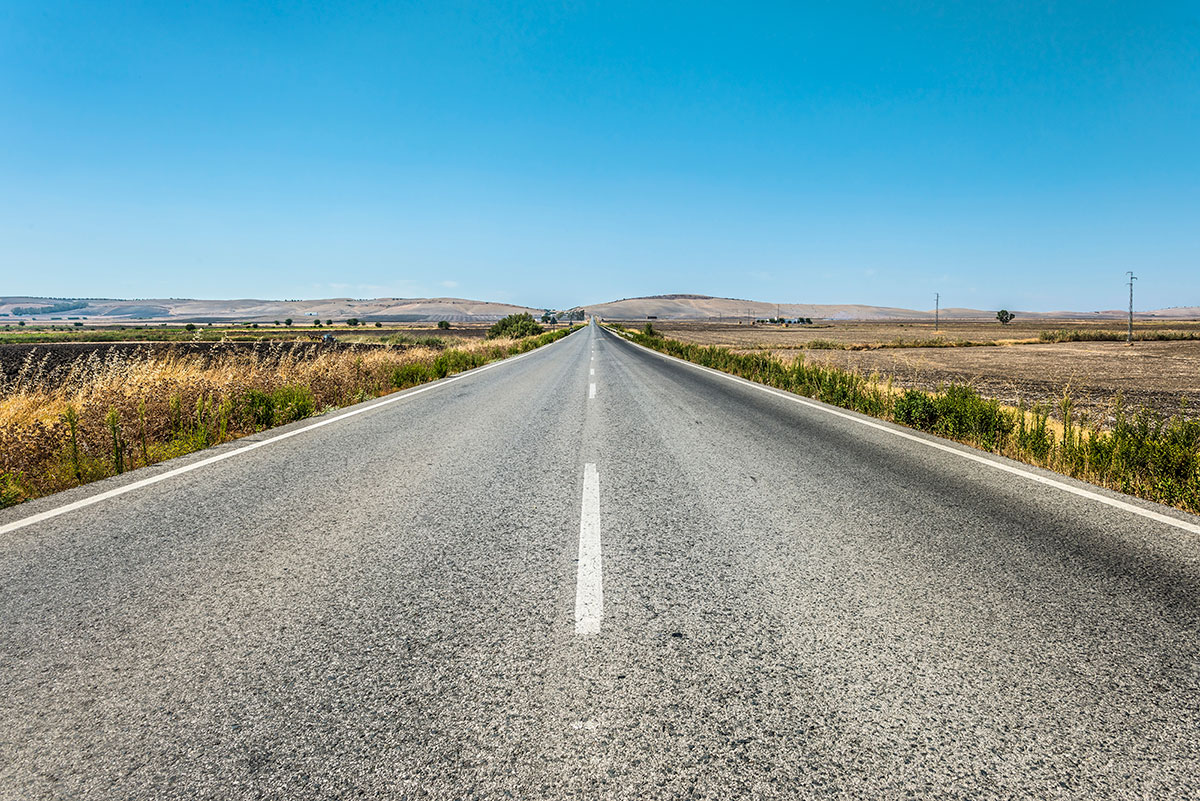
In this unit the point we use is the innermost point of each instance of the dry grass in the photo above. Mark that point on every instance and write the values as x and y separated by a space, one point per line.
105 415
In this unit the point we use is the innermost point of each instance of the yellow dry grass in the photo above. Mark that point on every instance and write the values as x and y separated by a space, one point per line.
103 414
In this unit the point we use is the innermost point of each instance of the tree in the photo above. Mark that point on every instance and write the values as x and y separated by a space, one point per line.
515 326
1005 316
378 324
276 322
353 321
318 323
444 325
329 322
288 321
190 327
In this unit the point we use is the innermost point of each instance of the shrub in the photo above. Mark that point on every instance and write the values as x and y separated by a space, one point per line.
409 375
444 325
515 326
915 408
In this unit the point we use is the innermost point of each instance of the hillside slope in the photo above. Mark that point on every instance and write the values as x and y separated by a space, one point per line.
252 310
704 307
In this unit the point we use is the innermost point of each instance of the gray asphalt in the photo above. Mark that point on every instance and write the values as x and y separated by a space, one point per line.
795 606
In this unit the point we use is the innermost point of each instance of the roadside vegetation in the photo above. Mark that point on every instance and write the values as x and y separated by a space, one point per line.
1100 335
108 414
933 342
1139 452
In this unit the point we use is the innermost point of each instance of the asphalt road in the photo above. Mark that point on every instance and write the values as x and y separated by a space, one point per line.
773 601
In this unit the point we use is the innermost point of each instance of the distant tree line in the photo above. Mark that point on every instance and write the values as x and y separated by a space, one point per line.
785 320
70 305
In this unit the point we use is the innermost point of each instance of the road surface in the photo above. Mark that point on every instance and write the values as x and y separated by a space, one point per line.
595 572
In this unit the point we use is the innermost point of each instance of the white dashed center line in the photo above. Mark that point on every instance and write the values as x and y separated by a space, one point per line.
589 594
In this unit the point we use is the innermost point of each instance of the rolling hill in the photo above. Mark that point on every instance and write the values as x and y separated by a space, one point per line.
98 310
705 307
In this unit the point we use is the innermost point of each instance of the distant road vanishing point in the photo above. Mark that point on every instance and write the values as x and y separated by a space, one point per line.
593 571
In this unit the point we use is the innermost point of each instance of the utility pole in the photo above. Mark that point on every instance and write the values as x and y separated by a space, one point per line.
1132 278
937 303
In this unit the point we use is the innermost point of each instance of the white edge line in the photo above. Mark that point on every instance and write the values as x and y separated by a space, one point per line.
220 457
1083 493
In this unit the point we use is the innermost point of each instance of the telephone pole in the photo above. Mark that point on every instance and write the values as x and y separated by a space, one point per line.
1129 334
937 303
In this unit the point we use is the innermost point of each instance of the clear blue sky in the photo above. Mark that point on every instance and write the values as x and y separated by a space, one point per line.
1003 153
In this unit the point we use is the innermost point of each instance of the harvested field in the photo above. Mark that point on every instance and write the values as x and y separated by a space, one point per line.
1152 375
868 334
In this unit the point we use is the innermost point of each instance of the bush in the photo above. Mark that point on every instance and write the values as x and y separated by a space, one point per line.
515 326
409 375
648 330
444 325
915 408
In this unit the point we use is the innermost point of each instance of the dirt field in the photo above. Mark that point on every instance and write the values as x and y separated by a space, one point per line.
1155 375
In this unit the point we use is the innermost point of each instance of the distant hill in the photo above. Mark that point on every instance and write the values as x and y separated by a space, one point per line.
705 307
664 307
250 310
